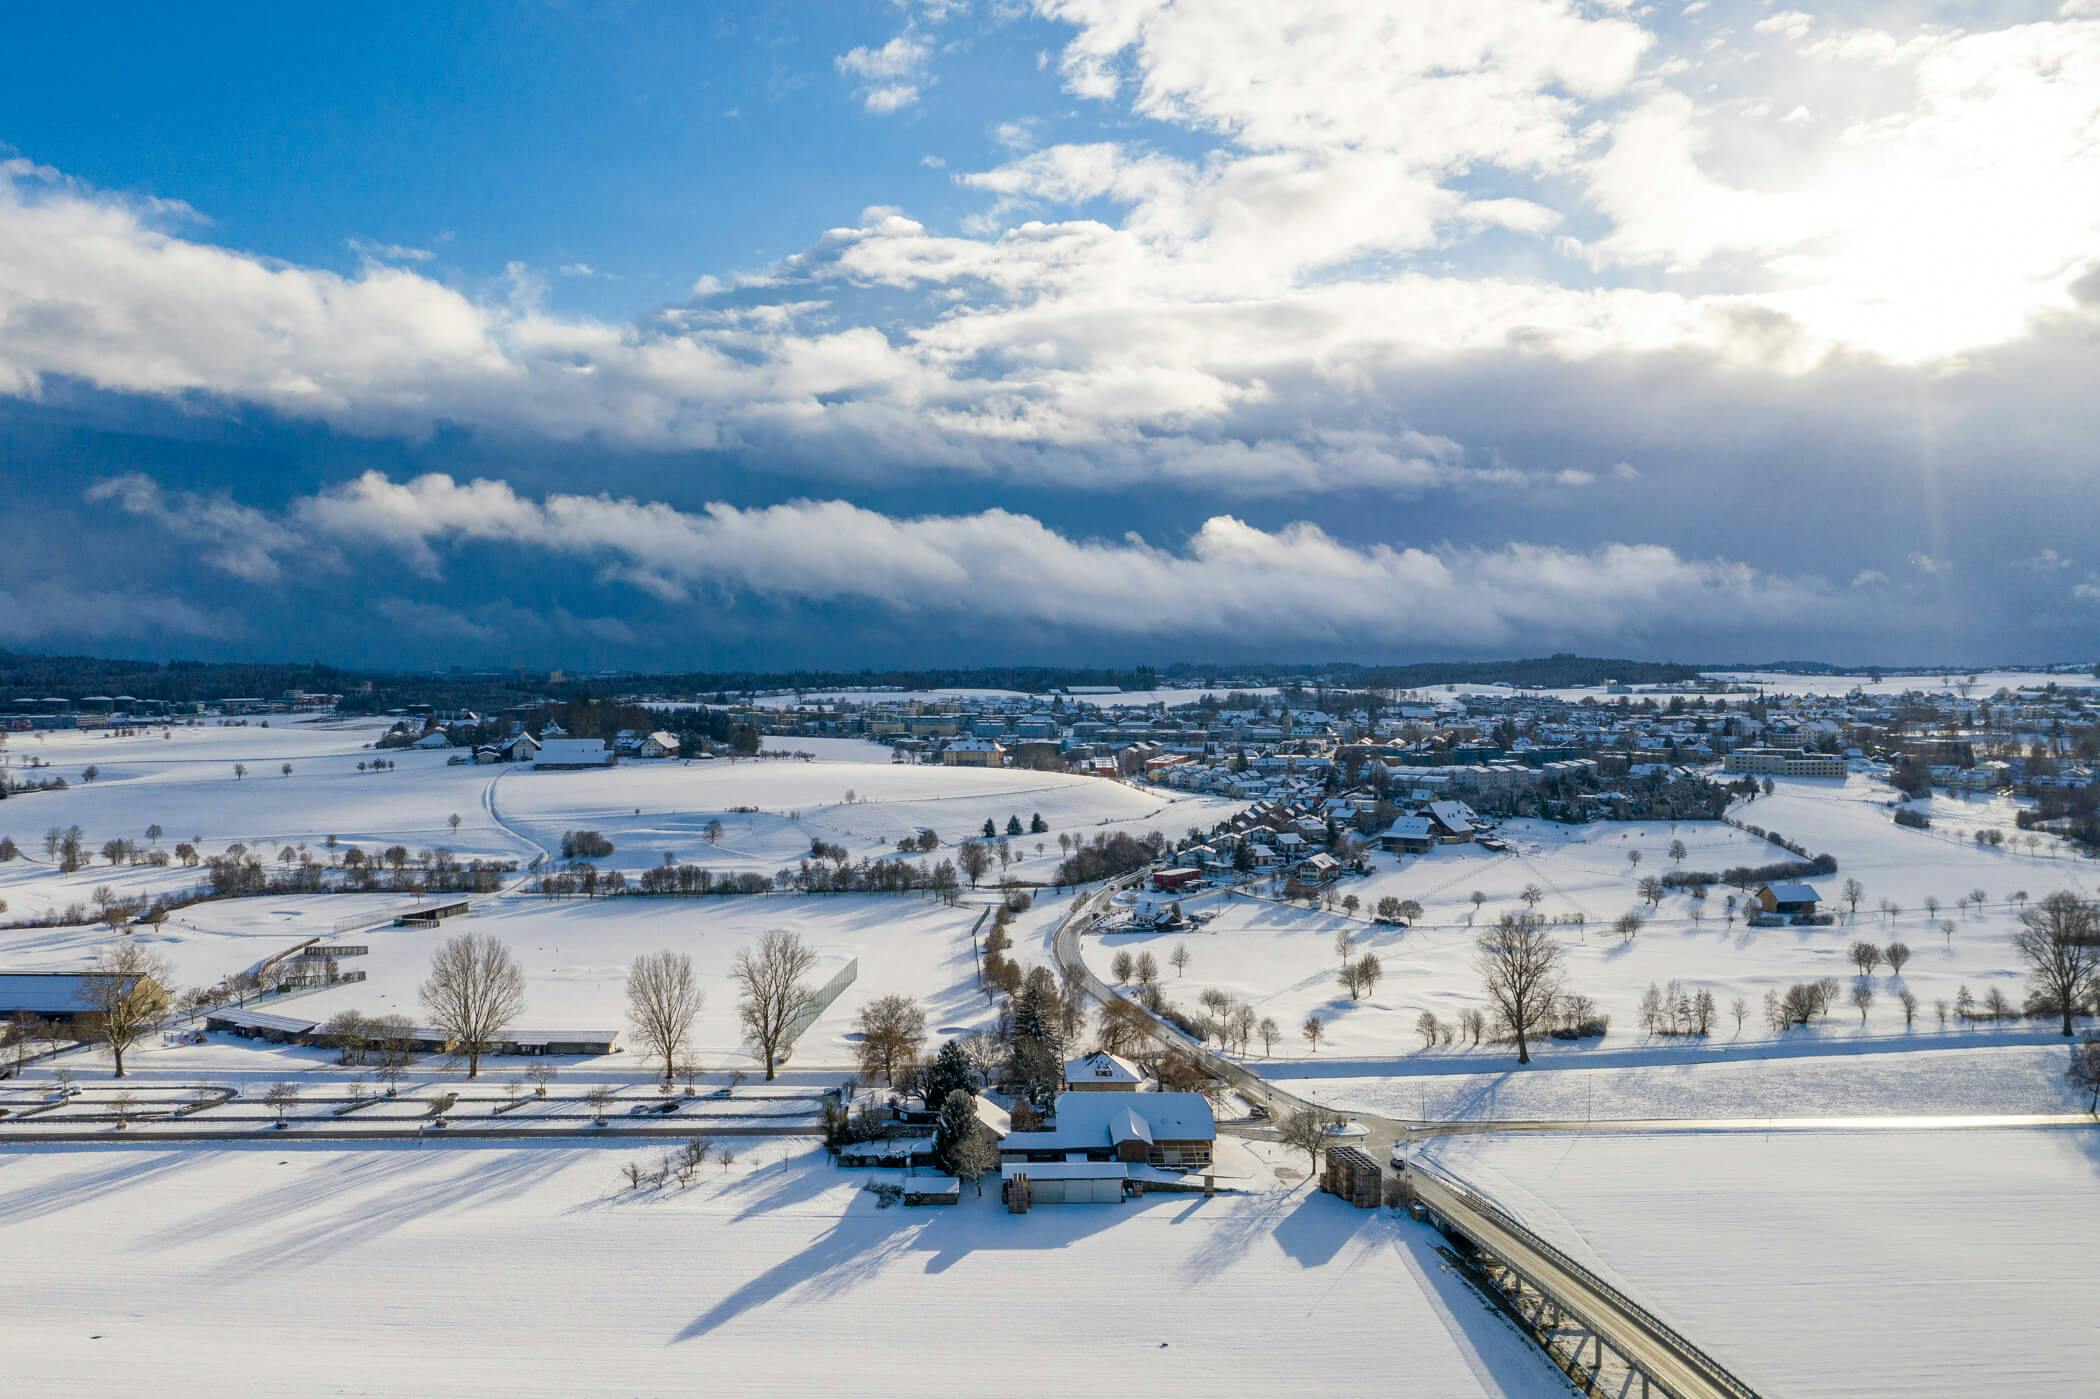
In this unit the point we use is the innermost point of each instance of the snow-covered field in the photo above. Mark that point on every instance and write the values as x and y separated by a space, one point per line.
1756 1082
525 1270
1987 682
650 809
1283 958
575 955
1838 1264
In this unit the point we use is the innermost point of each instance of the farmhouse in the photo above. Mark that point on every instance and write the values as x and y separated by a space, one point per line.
1155 1129
659 745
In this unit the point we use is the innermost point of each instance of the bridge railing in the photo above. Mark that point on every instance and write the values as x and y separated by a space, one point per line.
1658 1329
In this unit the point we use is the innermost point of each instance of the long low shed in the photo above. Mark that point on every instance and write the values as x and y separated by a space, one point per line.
287 1029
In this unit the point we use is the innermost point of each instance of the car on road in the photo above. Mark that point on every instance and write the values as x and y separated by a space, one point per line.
655 1109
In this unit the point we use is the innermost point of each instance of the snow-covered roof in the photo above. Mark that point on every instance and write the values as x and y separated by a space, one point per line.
560 752
1408 828
1092 1120
1794 893
1065 1170
1102 1067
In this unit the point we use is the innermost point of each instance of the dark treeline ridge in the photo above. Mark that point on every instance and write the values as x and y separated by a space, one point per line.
25 676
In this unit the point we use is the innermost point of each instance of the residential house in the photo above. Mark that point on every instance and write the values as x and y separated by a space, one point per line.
1102 1072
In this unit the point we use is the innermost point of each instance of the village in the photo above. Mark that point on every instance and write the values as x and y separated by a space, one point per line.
1041 951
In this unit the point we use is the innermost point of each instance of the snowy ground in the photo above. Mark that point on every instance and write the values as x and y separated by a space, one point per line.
1828 1265
2004 1079
575 955
511 1271
648 809
770 810
1282 957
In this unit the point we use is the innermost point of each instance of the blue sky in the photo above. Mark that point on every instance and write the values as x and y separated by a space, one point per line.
947 330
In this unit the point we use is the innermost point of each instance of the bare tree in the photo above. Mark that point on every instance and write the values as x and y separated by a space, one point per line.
1854 892
1123 967
1314 1029
771 977
126 994
891 1030
1866 956
1180 958
1909 1001
1677 852
282 1097
598 1098
1309 1131
1898 953
1739 1008
1863 997
540 1076
1147 969
2060 938
473 992
1520 968
1268 1030
662 998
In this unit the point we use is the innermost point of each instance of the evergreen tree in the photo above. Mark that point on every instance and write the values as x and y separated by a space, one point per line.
1013 825
1038 1042
991 832
1037 825
949 1071
958 1120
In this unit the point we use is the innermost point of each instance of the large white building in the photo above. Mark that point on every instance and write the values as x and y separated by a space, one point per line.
1783 762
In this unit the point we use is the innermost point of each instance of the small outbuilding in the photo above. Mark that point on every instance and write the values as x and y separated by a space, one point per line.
1790 900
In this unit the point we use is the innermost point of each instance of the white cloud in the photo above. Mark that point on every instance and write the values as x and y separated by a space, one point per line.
884 98
1625 471
891 73
2088 591
1928 565
1869 578
233 538
2043 561
1230 579
1791 24
1575 476
388 252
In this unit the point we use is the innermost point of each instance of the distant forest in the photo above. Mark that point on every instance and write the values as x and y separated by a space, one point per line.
71 677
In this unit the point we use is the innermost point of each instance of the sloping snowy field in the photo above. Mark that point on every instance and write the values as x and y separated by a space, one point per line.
1834 1265
513 1271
